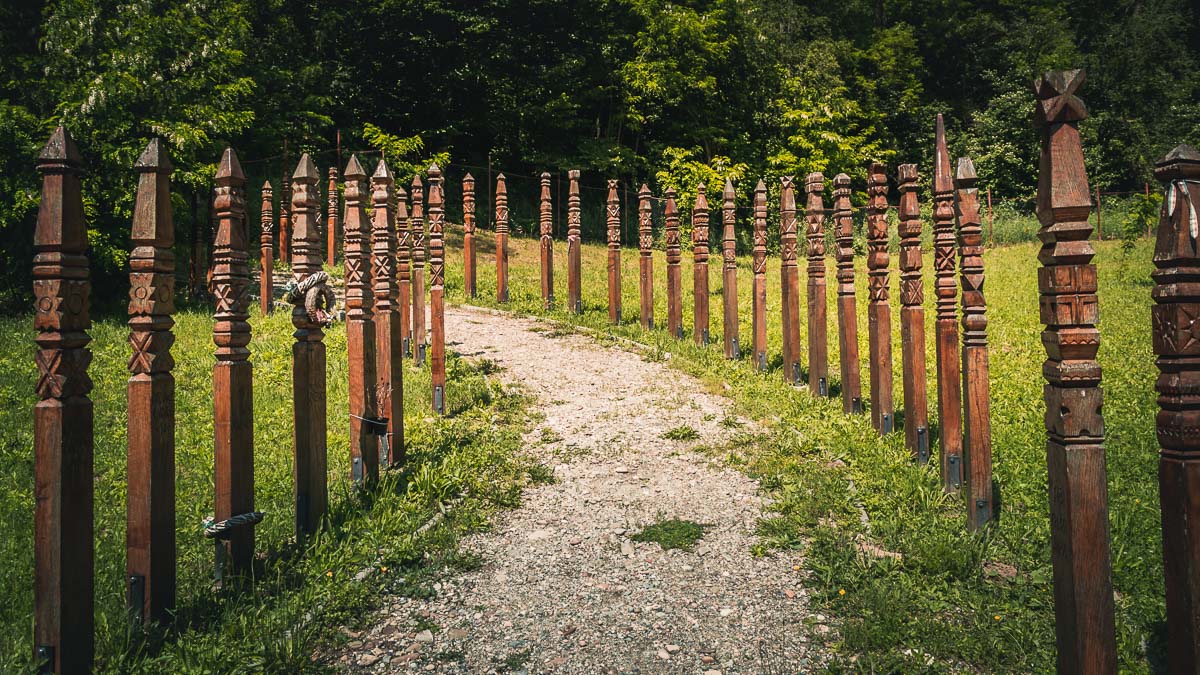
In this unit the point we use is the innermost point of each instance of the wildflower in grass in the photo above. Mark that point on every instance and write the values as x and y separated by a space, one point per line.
997 617
329 573
841 591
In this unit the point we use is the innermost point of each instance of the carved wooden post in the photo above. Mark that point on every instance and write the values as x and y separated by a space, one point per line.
789 282
729 271
389 350
948 365
469 255
501 239
613 221
912 318
1175 314
574 276
416 226
285 223
818 341
547 242
437 288
404 269
645 258
1083 598
879 311
847 313
700 267
266 279
150 502
308 292
62 418
674 274
360 327
331 223
760 276
977 423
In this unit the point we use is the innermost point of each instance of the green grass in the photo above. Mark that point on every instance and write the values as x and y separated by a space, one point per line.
468 464
839 491
673 533
681 433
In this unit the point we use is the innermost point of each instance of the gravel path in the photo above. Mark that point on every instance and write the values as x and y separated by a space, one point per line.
561 587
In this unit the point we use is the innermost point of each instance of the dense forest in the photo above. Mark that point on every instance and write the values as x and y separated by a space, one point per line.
646 90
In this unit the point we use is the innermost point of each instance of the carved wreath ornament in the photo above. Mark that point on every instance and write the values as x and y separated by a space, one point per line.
315 296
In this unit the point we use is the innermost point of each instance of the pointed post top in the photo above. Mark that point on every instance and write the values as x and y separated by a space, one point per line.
546 176
306 171
701 198
760 194
230 169
612 189
416 183
941 160
354 169
468 179
434 172
671 208
729 193
382 172
787 196
60 150
154 158
964 177
266 186
762 185
644 190
1181 162
501 184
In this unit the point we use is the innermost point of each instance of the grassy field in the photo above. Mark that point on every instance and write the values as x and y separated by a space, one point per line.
468 464
887 552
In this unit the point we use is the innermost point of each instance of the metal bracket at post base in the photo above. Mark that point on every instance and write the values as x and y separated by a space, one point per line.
704 337
407 346
439 405
856 405
954 471
796 379
822 387
578 307
885 423
135 597
982 512
922 445
737 354
762 360
44 655
356 471
421 354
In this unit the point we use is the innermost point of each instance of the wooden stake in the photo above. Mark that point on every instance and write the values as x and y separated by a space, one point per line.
266 277
1083 598
879 311
818 341
404 269
331 220
729 271
470 258
991 223
789 282
546 224
1099 222
574 276
613 221
501 239
912 318
759 309
389 347
285 223
360 327
674 274
949 369
847 313
150 500
1177 306
416 225
700 267
63 513
437 289
645 259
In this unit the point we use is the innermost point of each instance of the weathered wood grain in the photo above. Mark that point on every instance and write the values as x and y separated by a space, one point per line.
729 324
674 274
360 326
818 338
789 285
437 289
389 348
420 252
501 238
879 310
843 217
546 231
470 256
613 223
912 319
700 267
645 259
949 368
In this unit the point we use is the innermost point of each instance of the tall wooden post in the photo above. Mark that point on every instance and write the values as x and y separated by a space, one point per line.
266 278
574 242
389 349
1175 313
949 373
62 419
912 318
977 423
729 271
1083 597
416 226
700 267
879 310
501 238
285 222
404 269
308 354
470 258
613 221
331 222
818 340
150 500
847 313
437 289
789 281
645 259
759 309
360 326
546 223
674 274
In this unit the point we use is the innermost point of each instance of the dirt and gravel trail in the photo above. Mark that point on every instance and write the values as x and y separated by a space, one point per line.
561 587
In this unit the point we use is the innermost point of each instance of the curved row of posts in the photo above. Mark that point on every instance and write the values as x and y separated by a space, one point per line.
385 262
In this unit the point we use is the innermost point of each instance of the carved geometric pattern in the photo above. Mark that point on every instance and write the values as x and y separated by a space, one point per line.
60 305
63 372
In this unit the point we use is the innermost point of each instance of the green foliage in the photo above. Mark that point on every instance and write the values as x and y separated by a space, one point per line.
405 156
681 433
1141 217
673 533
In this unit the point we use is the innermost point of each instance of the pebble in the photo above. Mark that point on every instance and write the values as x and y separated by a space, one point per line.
367 660
673 649
707 660
725 611
575 541
664 655
425 636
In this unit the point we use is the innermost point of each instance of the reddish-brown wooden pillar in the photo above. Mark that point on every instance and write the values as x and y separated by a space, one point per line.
879 311
285 223
645 259
404 269
437 289
389 350
1083 597
574 275
233 374
150 498
729 326
949 368
62 419
977 423
546 223
266 278
818 340
416 225
912 318
1175 313
309 317
613 221
360 327
501 238
470 258
331 221
700 267
759 309
789 284
843 217
674 274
